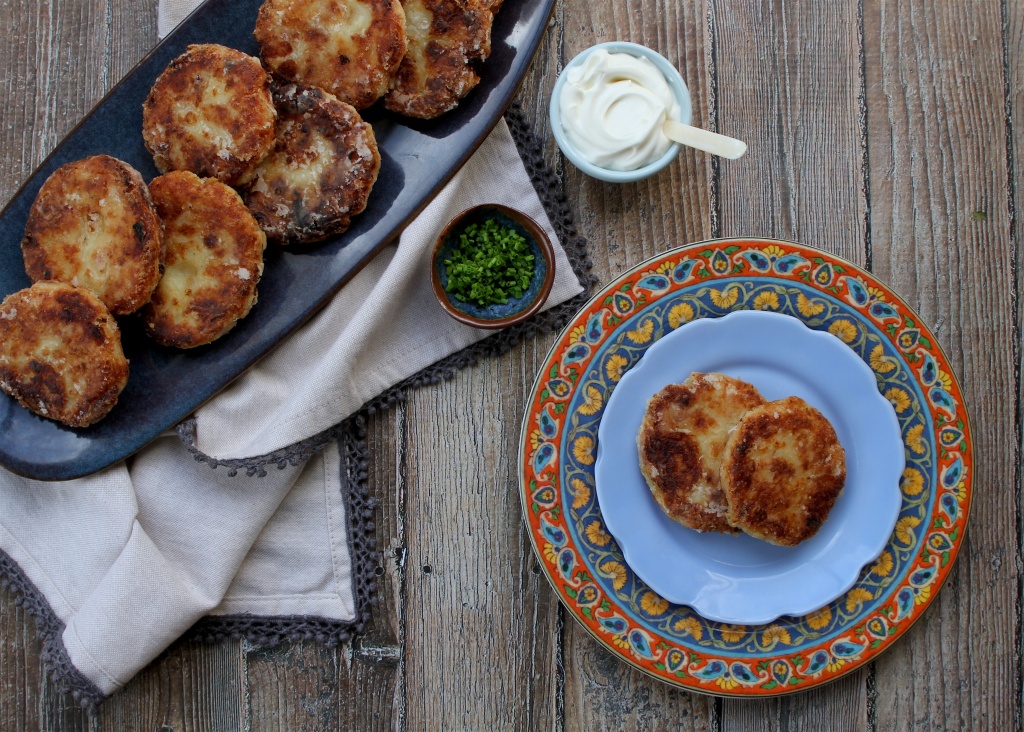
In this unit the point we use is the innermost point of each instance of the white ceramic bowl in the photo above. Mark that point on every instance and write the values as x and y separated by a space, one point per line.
675 82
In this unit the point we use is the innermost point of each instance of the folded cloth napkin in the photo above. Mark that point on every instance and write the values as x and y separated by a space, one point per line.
169 13
117 565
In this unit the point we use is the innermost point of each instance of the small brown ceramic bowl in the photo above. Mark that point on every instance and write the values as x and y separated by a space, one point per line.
504 314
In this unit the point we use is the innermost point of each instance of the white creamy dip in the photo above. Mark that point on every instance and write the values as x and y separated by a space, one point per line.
613 107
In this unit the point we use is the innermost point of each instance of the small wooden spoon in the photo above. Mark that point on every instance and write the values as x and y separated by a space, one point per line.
712 142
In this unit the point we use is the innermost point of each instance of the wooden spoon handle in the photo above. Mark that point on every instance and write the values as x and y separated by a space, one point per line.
712 142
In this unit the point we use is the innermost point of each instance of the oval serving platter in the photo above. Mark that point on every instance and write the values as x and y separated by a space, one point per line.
165 386
558 450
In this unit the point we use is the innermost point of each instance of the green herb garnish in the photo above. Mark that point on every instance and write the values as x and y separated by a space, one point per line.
491 264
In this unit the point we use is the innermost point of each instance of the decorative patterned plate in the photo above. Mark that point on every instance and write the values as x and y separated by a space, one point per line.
737 578
559 446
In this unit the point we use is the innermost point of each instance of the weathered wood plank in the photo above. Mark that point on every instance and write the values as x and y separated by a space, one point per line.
293 687
789 84
192 687
54 62
545 617
534 93
603 693
20 677
476 651
376 686
624 225
940 233
631 222
153 699
1013 41
1013 44
59 58
356 686
842 705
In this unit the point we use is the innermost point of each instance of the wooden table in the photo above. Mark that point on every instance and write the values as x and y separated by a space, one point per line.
885 131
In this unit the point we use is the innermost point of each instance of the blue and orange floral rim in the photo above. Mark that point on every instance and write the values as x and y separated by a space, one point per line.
559 446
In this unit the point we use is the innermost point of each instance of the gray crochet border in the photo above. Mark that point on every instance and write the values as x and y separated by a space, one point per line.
350 435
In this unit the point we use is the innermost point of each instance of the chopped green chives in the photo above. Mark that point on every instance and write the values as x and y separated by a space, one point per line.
491 265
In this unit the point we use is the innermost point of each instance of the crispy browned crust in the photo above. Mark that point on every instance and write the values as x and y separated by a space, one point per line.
93 224
212 264
350 48
681 440
320 174
446 37
60 353
783 471
210 112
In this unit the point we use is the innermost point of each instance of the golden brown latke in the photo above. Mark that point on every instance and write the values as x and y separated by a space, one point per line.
446 37
350 48
210 112
782 471
93 224
681 440
320 172
213 261
60 353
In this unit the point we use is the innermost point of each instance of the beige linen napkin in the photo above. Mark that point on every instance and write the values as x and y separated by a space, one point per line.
169 13
118 565
384 326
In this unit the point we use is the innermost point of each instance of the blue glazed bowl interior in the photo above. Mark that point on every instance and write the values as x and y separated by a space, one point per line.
497 311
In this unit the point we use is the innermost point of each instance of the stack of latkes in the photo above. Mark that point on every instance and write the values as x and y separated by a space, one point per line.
250 150
719 457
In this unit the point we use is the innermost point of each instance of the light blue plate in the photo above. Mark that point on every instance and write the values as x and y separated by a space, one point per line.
739 579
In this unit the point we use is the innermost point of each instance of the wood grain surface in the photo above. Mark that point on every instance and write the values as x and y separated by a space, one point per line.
888 132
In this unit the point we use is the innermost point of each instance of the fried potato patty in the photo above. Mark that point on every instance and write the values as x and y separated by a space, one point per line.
681 442
210 112
93 224
782 471
320 172
60 353
446 37
213 261
350 48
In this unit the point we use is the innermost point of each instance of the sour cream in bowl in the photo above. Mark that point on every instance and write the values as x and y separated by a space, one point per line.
608 108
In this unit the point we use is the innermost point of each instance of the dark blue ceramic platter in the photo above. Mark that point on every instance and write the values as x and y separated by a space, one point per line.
166 385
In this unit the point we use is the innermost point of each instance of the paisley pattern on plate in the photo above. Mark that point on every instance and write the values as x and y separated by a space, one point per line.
559 447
